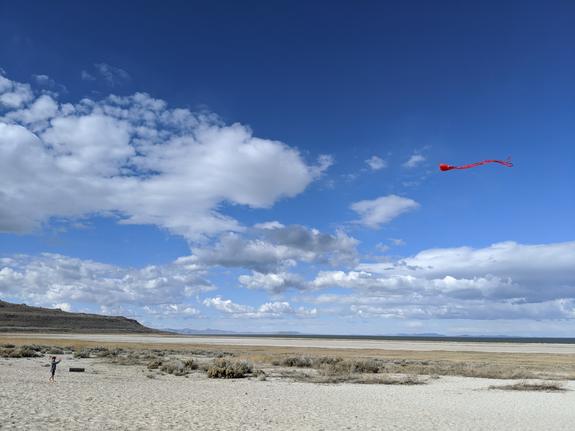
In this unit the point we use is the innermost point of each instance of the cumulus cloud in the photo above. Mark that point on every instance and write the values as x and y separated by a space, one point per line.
274 283
87 76
414 160
13 95
134 158
503 281
376 163
64 306
272 248
171 311
269 310
44 81
374 213
111 75
56 279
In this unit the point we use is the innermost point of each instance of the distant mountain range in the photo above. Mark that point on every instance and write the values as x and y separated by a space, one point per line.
24 318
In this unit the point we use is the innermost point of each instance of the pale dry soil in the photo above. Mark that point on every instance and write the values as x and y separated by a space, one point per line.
327 343
115 397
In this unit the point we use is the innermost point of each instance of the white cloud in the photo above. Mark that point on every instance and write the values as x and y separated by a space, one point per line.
87 76
48 83
539 272
269 310
374 213
56 279
376 163
111 75
138 160
415 160
502 281
273 283
13 94
270 250
170 311
64 306
269 225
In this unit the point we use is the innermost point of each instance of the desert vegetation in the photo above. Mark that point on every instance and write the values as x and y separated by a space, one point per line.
532 386
315 367
223 368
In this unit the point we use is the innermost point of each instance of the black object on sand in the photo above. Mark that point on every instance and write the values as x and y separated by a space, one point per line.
77 370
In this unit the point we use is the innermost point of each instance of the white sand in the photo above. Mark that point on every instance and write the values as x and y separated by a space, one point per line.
113 397
317 342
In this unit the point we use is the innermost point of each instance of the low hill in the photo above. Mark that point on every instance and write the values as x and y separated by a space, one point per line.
21 317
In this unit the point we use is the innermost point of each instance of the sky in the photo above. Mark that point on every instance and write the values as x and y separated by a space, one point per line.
273 165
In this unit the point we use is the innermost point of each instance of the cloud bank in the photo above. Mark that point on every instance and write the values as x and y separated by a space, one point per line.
134 158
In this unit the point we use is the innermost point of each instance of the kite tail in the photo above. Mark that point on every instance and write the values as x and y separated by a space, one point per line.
506 162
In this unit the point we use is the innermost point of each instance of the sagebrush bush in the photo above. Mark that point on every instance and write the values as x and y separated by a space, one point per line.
533 386
154 364
82 354
369 366
295 361
223 368
20 352
177 367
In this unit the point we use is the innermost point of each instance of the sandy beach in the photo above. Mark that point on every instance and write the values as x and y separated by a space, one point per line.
110 396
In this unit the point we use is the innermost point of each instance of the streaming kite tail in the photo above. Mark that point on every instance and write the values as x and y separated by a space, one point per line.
506 162
471 165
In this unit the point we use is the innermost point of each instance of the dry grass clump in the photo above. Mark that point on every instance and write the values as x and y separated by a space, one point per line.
82 354
154 364
20 352
480 370
295 361
364 379
333 366
210 353
125 360
175 367
223 368
532 386
351 366
104 352
326 360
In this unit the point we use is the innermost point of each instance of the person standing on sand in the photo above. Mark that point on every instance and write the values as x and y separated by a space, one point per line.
53 368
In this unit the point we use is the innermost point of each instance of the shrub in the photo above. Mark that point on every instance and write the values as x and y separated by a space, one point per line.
370 366
82 354
190 364
154 364
326 360
19 352
536 386
104 352
177 367
229 369
295 361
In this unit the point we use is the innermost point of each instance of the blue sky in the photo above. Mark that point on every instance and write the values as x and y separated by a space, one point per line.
273 166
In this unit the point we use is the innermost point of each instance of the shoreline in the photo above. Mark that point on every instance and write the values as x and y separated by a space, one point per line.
307 342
